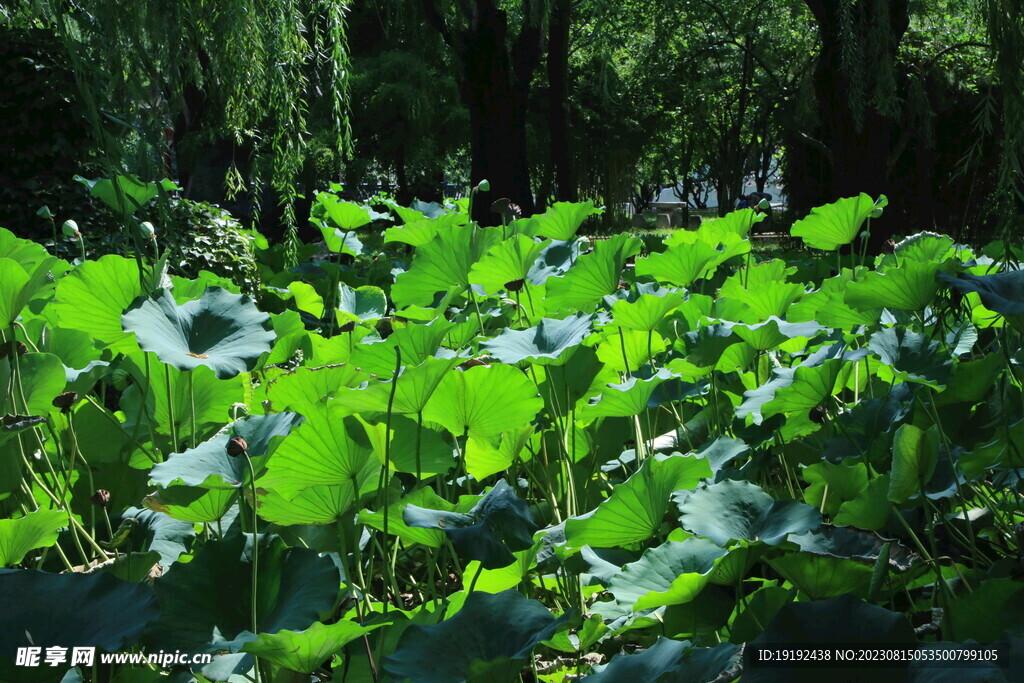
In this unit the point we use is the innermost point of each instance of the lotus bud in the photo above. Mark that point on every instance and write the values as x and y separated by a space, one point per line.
147 230
5 349
817 414
44 212
764 205
237 446
515 285
65 401
70 229
876 213
101 498
484 186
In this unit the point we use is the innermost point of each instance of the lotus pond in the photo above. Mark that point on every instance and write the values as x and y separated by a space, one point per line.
432 451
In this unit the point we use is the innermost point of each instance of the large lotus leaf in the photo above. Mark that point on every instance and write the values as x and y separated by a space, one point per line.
70 610
508 260
562 220
672 573
416 342
125 194
912 356
485 457
675 661
327 449
992 610
37 529
27 253
314 505
733 510
362 303
635 509
855 544
205 604
310 386
629 398
492 637
161 533
823 576
844 621
306 651
191 503
346 215
414 387
923 247
593 275
498 525
419 231
550 342
834 225
679 265
832 484
772 332
441 264
915 453
756 303
307 299
555 259
223 331
208 465
42 378
999 292
18 286
761 607
423 498
414 448
738 223
646 310
870 509
198 390
483 401
94 295
908 287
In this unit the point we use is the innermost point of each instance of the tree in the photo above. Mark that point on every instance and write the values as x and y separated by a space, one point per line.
496 67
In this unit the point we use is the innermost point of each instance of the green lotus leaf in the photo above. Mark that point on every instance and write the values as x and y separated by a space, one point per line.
670 660
329 448
923 247
308 386
987 613
508 260
307 299
344 215
679 265
362 303
313 505
414 448
423 498
42 378
854 544
870 509
762 606
832 484
733 510
492 637
209 465
161 533
672 573
550 342
999 292
306 651
772 332
908 287
593 275
18 286
205 604
416 341
412 390
912 356
915 453
421 230
37 529
94 295
498 525
634 511
27 253
441 264
738 223
844 621
125 194
837 224
223 331
822 576
70 610
626 399
645 311
483 401
191 503
562 220
495 454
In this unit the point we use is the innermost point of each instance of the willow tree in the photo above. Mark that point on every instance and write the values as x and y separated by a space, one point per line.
163 76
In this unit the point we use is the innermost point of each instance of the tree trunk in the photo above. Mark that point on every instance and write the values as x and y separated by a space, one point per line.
859 145
558 100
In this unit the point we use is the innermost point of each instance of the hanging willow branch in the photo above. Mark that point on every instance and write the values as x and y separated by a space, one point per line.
254 63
